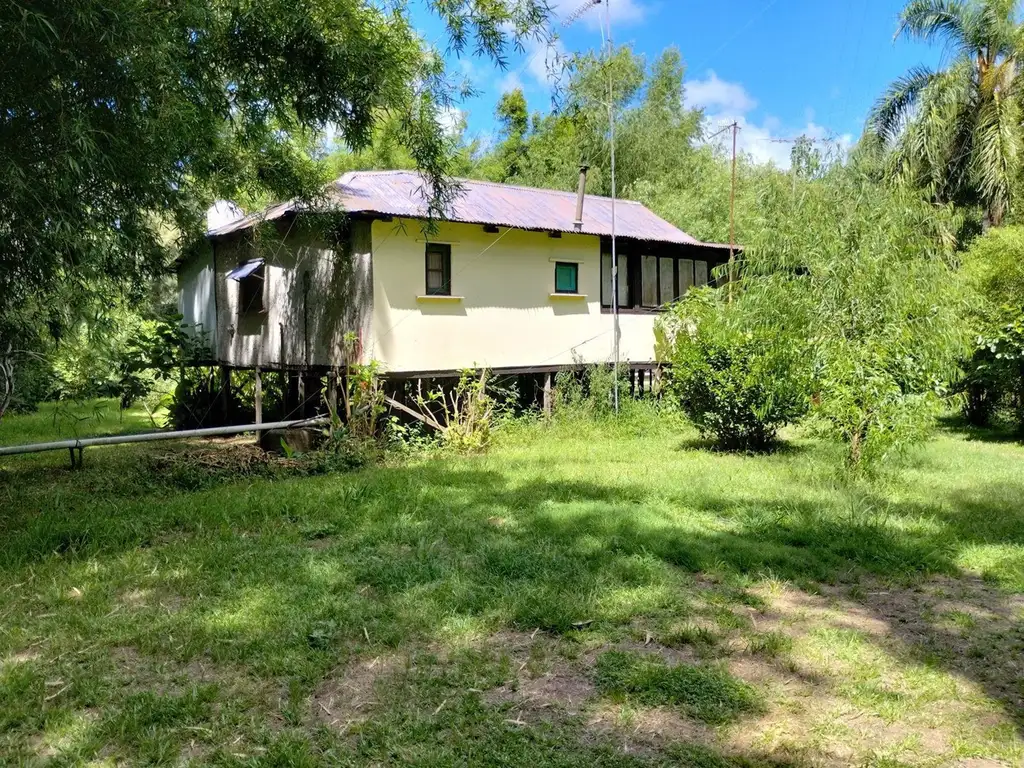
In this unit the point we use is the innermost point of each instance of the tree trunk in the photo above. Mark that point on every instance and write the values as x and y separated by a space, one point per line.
857 445
1019 409
6 380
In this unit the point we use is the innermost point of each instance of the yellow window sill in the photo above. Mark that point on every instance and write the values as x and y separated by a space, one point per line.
443 299
567 296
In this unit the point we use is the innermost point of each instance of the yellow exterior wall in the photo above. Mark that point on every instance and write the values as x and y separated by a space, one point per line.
507 317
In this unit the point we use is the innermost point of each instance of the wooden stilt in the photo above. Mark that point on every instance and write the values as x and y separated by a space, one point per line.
332 391
225 393
302 396
258 395
547 394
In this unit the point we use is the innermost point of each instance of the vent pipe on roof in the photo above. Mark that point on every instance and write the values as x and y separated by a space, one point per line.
581 191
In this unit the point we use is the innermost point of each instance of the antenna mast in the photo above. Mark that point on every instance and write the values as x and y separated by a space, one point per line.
615 255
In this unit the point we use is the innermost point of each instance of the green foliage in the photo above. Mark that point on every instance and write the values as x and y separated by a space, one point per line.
994 270
865 276
123 120
362 395
463 414
955 133
589 390
705 693
654 131
736 380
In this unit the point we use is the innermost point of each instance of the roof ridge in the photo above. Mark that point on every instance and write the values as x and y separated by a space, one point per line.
549 191
483 182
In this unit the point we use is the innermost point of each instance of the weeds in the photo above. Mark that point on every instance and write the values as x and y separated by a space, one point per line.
463 415
589 390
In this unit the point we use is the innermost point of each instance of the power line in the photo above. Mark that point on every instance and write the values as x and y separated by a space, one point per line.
764 9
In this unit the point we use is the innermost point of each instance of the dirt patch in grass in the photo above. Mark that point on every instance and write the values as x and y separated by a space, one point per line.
646 730
348 695
970 627
170 677
543 681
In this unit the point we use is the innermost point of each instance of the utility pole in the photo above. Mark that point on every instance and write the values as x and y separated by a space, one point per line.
732 214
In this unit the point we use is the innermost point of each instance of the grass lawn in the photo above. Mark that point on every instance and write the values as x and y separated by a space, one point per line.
582 595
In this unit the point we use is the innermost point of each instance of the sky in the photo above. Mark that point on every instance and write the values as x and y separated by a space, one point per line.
779 68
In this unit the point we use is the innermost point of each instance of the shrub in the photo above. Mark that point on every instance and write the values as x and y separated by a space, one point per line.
864 274
738 386
994 374
464 414
589 390
362 395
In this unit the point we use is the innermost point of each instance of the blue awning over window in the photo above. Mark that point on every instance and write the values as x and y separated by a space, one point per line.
243 271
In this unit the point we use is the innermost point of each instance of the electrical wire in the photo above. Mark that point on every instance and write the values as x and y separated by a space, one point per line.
764 9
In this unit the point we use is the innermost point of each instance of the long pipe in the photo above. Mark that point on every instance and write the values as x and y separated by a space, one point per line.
143 437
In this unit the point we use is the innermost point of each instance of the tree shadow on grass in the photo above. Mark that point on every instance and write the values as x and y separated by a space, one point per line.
999 433
778 448
290 577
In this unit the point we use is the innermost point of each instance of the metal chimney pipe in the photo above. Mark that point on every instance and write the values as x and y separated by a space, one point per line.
581 191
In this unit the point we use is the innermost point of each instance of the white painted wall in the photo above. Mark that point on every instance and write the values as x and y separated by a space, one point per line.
507 317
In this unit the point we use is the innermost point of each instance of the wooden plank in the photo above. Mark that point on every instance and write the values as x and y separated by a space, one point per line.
259 395
415 414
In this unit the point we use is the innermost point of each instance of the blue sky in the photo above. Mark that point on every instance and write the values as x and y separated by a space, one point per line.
778 67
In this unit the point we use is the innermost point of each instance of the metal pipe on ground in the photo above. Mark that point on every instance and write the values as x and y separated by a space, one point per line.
144 437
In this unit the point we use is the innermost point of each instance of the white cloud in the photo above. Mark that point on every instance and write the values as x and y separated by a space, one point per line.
510 82
719 96
624 13
766 140
544 61
452 120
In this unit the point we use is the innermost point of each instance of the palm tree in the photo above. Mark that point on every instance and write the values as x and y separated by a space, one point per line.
956 131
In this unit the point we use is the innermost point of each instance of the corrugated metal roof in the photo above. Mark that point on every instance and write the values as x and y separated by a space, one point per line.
404 194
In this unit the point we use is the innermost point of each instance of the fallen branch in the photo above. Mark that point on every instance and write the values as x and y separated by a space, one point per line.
415 414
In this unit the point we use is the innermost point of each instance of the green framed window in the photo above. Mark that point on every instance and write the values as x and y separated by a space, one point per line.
567 277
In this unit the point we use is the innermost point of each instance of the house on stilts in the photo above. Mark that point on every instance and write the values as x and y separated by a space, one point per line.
510 279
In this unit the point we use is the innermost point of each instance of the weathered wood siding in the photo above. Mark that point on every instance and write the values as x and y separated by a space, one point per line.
196 301
305 319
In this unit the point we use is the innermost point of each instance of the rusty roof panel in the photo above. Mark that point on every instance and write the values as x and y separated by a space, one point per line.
404 194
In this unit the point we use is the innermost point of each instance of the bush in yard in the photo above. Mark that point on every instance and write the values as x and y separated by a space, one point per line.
866 275
463 414
994 271
737 384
